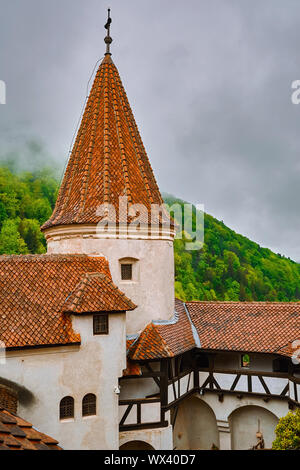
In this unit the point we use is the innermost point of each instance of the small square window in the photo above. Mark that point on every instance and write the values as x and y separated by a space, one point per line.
100 324
126 272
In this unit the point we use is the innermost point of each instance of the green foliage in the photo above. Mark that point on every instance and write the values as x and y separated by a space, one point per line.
11 242
231 267
288 432
26 202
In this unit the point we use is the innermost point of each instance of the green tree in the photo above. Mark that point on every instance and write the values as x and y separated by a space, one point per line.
26 202
32 235
288 432
11 242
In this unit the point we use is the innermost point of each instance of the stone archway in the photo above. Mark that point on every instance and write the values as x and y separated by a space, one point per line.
195 426
136 445
246 421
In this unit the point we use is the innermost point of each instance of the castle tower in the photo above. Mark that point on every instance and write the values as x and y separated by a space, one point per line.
109 203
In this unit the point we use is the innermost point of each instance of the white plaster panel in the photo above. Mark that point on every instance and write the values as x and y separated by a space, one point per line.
171 396
150 412
202 377
225 380
275 385
257 386
132 417
242 385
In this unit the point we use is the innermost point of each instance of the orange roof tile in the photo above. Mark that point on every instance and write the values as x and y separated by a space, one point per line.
17 434
108 159
233 326
164 340
96 292
246 326
33 290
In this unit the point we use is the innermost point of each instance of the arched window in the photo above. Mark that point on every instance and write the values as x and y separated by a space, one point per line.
66 408
89 405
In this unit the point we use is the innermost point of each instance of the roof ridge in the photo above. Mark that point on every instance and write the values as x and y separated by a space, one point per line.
193 327
142 339
106 138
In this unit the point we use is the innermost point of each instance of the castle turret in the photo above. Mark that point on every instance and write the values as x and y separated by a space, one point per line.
109 203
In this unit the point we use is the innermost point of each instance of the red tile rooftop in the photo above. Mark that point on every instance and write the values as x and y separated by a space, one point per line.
108 158
17 434
262 327
33 293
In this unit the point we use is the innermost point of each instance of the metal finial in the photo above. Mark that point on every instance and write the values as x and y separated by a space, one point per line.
108 40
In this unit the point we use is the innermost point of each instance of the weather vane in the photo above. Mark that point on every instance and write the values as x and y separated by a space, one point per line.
108 40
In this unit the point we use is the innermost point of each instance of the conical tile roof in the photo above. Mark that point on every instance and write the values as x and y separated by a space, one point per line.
108 158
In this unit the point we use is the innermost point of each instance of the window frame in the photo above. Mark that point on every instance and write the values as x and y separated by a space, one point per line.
242 361
127 265
69 416
95 318
94 411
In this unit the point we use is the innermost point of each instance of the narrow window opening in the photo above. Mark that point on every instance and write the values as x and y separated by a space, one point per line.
280 365
245 361
126 272
100 324
66 408
89 405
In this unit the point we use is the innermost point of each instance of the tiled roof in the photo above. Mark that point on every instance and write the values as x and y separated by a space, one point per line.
17 434
164 340
233 326
33 289
95 292
246 326
108 159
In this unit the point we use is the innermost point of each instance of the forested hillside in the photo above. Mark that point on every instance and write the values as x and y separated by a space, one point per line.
26 202
229 267
232 267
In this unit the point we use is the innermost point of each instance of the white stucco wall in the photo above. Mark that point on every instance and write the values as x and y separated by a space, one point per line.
195 426
248 420
159 439
53 373
137 388
152 288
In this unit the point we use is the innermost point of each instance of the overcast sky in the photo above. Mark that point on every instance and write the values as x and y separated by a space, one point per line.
209 83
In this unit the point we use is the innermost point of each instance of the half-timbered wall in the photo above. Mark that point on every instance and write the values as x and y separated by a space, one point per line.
199 392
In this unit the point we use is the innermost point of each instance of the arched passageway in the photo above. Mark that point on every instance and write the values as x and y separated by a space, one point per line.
246 422
136 445
195 426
